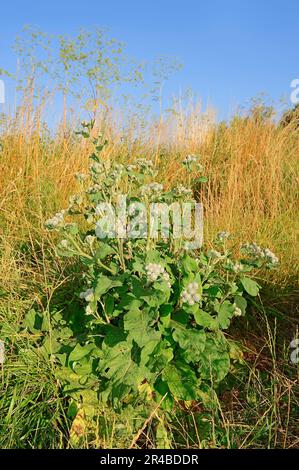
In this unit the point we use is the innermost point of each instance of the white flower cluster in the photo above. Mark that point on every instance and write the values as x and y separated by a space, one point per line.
153 271
64 244
131 168
189 160
151 188
145 166
56 221
88 295
117 172
94 189
215 254
271 256
81 177
256 251
180 190
97 168
90 239
237 267
237 311
190 294
221 236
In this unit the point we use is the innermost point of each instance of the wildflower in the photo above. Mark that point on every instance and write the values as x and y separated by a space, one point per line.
215 254
88 310
190 294
88 295
237 267
154 271
81 177
97 168
151 188
56 221
90 239
94 189
131 168
237 311
64 244
273 259
182 191
189 160
255 251
221 236
145 166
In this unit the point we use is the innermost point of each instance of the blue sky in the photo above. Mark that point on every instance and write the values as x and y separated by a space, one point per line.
231 49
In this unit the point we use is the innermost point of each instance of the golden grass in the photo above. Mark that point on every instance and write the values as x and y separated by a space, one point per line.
252 167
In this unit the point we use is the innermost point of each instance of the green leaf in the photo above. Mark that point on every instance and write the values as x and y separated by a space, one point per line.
206 320
103 251
81 351
251 287
104 284
214 362
225 313
138 325
241 303
191 341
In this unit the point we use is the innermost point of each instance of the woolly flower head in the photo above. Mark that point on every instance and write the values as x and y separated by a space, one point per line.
190 294
237 267
154 271
64 244
117 172
131 168
56 221
215 254
88 295
271 256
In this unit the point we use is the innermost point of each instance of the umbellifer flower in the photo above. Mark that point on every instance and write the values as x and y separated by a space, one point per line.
190 295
